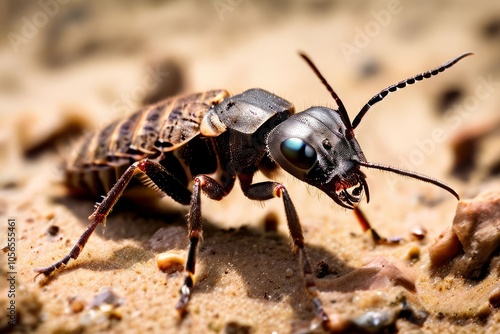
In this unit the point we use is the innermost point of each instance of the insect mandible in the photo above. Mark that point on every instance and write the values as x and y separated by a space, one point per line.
203 142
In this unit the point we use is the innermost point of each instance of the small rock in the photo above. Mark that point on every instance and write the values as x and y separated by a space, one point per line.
106 296
234 327
418 233
378 274
413 254
476 230
104 308
53 230
494 298
376 321
170 262
446 247
76 304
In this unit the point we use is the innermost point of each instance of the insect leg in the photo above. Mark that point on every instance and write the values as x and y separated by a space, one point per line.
155 176
100 213
366 226
267 190
195 233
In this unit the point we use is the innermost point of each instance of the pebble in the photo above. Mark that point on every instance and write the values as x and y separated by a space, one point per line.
170 262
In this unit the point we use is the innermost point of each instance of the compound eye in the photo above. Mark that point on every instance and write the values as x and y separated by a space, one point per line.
299 153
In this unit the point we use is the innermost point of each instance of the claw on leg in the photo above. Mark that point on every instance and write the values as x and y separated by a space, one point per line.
181 306
377 238
195 232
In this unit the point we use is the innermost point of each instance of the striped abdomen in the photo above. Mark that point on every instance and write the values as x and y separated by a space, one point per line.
155 132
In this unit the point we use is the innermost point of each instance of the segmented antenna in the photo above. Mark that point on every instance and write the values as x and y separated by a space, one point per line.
410 174
341 111
392 88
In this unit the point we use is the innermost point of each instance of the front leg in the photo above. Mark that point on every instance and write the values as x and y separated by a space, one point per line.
366 226
267 190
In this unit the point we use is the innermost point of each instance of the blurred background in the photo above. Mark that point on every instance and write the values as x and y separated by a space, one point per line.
70 66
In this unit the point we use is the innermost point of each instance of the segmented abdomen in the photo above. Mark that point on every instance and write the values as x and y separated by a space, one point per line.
101 157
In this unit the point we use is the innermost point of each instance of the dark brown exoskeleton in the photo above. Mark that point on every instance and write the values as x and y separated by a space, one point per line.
203 142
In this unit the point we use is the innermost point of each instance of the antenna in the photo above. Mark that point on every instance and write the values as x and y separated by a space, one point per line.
402 84
341 111
410 174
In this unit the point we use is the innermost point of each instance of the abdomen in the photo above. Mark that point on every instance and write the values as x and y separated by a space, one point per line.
166 132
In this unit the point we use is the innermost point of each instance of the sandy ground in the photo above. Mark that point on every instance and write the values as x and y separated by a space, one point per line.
68 68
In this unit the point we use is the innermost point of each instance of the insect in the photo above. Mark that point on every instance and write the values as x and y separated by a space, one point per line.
203 142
